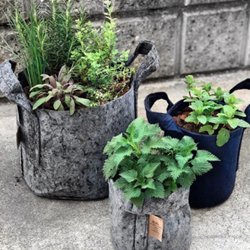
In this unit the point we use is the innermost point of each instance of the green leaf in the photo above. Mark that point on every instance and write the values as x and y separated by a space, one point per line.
171 184
163 176
149 184
200 169
138 201
222 137
39 102
152 143
57 104
207 128
204 155
83 101
229 111
131 192
139 129
159 192
243 124
109 168
233 122
175 172
187 144
61 108
121 153
129 175
170 142
168 191
72 106
149 169
116 143
192 118
32 94
121 183
183 159
202 119
67 100
186 179
239 113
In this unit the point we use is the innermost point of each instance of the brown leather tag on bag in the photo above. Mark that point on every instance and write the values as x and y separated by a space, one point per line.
155 227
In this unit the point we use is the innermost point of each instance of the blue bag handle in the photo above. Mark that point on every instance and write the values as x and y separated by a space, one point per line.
243 85
166 122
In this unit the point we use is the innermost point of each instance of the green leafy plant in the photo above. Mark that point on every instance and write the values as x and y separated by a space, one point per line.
61 39
96 60
213 111
60 91
45 44
144 165
31 39
89 52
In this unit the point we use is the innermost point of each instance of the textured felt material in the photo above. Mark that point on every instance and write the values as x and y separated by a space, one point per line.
61 155
217 185
129 225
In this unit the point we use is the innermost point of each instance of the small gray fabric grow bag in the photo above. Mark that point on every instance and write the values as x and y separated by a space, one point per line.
61 155
129 225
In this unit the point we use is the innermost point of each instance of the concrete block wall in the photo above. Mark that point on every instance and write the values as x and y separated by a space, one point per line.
191 36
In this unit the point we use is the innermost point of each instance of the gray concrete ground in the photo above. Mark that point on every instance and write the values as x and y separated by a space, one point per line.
28 222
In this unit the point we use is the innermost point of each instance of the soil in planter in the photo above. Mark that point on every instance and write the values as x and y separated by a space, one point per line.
118 89
182 115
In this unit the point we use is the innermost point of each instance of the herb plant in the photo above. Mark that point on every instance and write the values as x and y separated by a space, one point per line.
144 165
60 91
31 38
96 60
89 52
214 111
61 38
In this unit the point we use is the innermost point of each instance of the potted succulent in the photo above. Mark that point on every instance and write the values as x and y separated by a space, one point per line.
149 176
75 93
213 120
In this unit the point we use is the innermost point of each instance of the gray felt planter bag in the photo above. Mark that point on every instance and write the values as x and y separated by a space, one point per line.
129 225
61 155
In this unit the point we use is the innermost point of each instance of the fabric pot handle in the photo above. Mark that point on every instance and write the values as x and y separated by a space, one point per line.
165 121
149 65
243 85
11 87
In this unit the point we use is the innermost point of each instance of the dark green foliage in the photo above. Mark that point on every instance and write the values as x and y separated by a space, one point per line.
212 115
144 165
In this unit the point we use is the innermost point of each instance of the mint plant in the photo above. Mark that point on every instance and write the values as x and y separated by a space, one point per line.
60 91
213 111
144 165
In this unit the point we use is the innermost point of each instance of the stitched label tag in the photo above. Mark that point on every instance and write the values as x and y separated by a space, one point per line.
155 227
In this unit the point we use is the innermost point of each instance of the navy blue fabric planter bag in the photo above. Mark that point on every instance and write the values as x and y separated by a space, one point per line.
216 186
